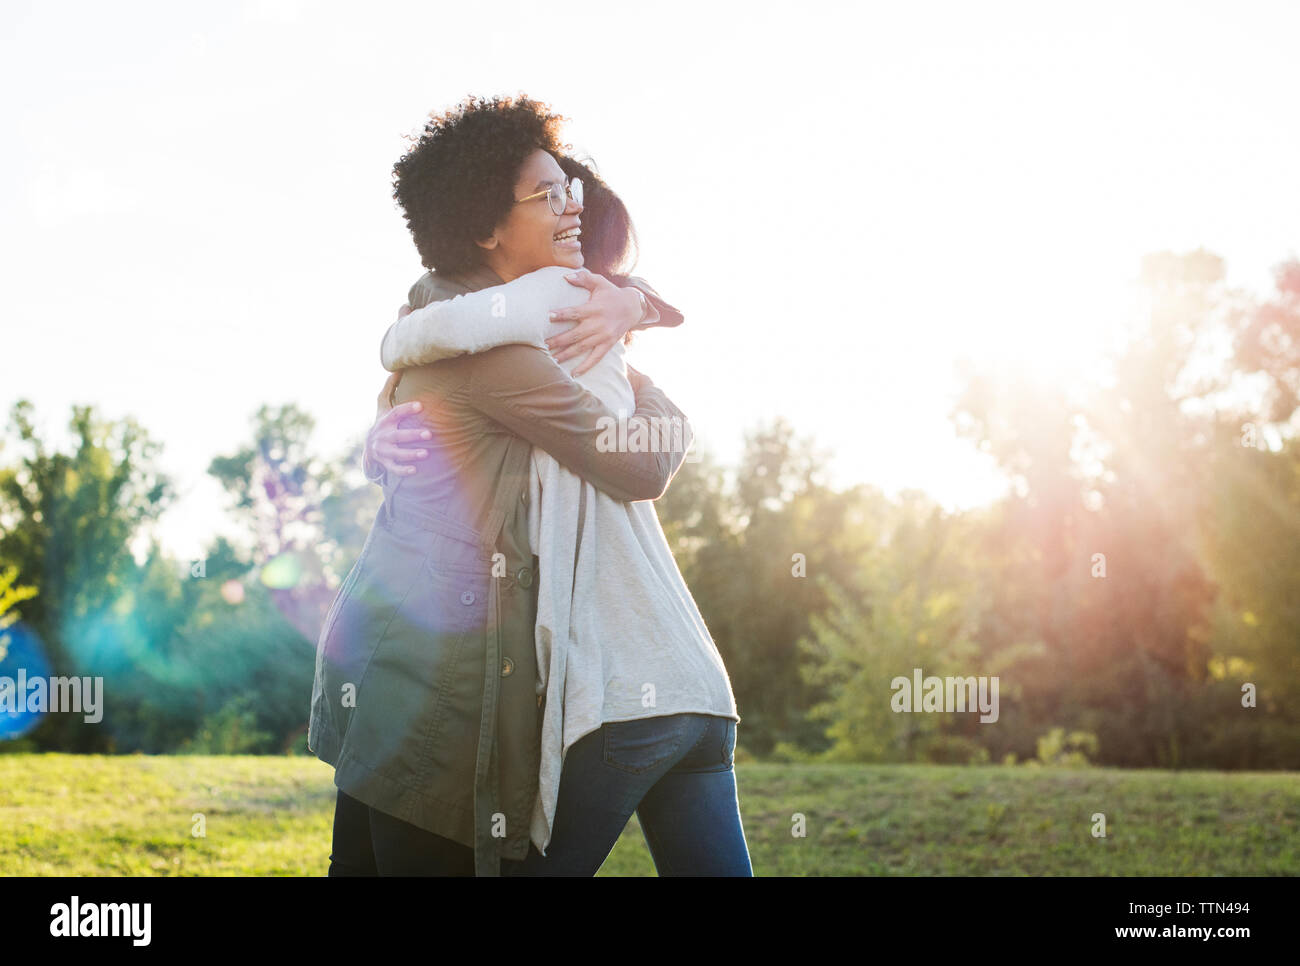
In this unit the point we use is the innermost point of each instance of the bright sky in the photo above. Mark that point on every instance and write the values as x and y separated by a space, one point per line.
844 199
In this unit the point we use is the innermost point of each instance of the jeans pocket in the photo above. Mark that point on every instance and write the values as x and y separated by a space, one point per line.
644 743
729 744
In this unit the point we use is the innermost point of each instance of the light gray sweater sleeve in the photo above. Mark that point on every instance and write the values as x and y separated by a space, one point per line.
515 312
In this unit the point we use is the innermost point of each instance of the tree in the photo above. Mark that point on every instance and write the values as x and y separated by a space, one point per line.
1267 343
915 603
68 519
1104 545
307 520
756 557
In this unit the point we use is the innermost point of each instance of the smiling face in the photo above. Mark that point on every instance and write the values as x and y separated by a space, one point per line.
526 239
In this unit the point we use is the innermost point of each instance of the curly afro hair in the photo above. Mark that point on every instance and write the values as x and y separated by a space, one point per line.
457 183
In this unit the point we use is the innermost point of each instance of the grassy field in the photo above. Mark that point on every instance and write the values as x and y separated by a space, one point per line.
133 815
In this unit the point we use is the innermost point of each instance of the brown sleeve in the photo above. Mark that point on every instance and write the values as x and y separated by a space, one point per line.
525 390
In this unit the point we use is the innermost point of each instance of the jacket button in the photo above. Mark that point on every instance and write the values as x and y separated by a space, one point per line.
525 577
523 497
467 598
507 667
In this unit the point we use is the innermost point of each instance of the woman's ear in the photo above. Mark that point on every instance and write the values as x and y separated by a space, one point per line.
488 243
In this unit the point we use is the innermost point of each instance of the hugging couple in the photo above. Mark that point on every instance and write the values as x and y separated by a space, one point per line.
514 665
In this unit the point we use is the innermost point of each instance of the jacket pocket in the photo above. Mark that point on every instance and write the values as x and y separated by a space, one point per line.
419 676
443 693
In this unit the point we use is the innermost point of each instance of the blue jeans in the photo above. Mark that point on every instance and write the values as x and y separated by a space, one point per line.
675 772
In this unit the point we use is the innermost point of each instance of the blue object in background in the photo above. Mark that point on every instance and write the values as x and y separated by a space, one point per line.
22 650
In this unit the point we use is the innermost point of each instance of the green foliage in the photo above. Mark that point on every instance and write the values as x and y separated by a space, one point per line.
1253 550
947 749
1067 751
740 542
230 731
10 596
786 751
916 604
173 650
69 520
1133 511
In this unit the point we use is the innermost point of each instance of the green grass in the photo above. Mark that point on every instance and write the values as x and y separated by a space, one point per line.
133 815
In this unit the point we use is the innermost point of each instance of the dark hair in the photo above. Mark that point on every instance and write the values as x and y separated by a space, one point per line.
457 183
609 244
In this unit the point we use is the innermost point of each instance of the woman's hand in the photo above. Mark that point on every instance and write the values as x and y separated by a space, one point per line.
389 448
608 315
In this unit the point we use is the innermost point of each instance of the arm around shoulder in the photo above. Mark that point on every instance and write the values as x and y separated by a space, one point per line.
515 312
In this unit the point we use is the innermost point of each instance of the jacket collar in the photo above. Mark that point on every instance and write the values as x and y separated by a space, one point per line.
439 286
470 280
481 276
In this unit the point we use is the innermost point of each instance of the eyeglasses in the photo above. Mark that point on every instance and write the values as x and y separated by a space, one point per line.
555 195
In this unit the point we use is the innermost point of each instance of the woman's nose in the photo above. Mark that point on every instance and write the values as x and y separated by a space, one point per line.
573 207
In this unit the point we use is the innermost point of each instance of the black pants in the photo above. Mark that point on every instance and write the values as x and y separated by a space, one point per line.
370 842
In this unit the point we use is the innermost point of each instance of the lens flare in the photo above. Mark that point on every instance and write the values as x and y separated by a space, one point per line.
282 572
20 648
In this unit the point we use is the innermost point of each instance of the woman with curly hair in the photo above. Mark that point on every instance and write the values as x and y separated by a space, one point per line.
631 695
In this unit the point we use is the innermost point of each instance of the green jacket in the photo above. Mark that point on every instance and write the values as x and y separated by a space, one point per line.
425 697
